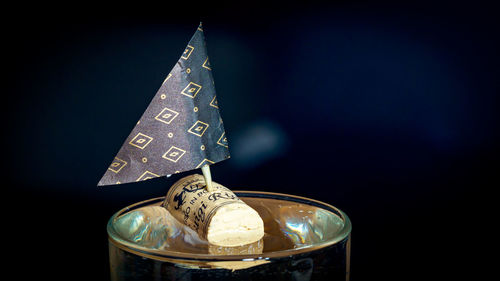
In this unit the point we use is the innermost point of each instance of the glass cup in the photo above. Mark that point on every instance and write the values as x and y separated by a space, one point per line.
305 240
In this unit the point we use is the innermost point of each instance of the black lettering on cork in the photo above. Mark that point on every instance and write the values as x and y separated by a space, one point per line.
180 197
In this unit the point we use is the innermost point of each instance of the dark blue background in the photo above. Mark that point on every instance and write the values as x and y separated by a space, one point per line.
385 110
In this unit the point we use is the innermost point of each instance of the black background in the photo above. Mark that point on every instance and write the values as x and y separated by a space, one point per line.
384 110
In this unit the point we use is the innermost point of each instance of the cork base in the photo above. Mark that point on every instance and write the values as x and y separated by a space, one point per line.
235 225
218 215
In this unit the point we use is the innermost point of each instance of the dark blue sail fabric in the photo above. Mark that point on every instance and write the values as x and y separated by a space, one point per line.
181 129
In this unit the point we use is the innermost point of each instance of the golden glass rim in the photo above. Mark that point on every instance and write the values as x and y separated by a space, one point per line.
172 256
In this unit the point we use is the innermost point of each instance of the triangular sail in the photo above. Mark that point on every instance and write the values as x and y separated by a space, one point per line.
181 129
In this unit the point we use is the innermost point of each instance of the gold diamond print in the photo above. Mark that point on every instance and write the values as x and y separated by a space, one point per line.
223 140
198 128
141 140
191 90
187 52
173 154
204 162
168 76
214 103
167 115
206 64
146 176
117 165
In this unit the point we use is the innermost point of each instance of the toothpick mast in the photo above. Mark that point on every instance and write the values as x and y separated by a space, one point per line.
208 177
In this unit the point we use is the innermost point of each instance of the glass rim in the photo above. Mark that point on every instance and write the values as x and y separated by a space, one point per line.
167 255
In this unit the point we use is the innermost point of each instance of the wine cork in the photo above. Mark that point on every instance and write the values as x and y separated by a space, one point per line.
249 249
218 216
254 248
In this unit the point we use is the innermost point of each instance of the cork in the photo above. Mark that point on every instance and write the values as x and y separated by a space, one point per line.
217 216
248 249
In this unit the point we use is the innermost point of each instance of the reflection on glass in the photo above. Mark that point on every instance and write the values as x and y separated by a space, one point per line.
304 240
